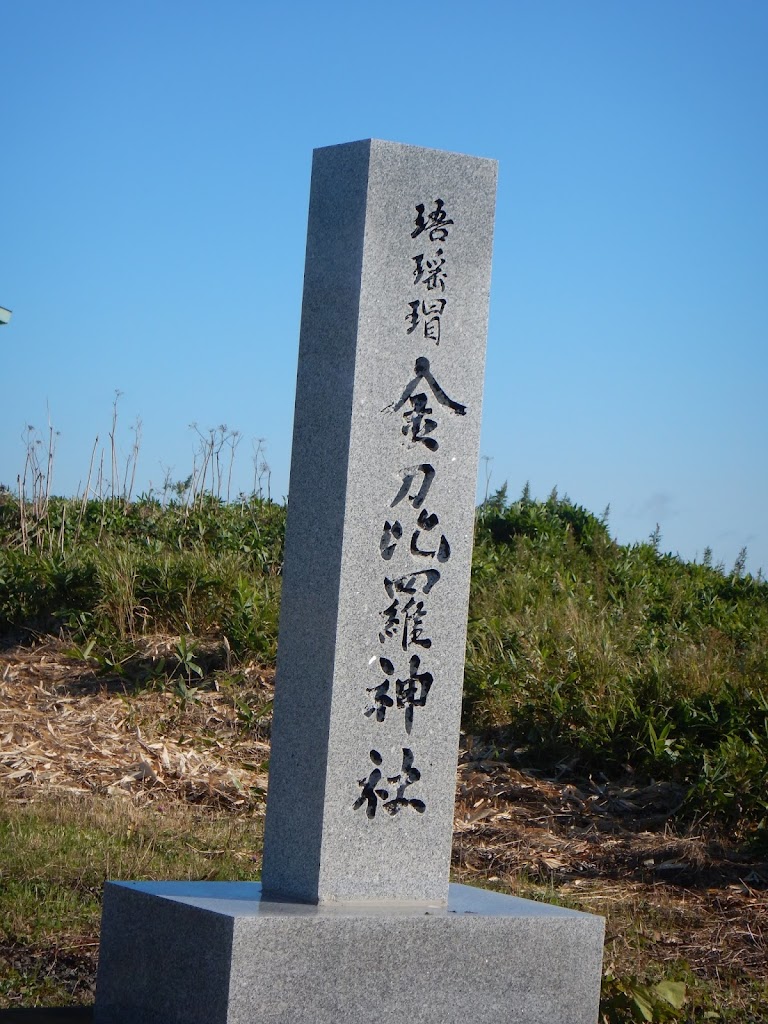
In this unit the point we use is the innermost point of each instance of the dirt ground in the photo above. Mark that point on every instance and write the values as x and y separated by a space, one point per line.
671 895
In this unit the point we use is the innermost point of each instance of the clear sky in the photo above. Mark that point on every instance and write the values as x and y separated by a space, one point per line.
154 175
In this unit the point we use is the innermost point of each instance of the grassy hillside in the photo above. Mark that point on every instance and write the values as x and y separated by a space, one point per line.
581 652
613 758
612 657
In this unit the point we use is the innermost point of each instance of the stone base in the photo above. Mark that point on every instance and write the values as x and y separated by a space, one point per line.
217 953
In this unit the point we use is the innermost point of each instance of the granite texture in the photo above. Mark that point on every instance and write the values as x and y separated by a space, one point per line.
187 952
380 524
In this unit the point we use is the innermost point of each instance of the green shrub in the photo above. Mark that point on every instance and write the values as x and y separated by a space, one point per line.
579 650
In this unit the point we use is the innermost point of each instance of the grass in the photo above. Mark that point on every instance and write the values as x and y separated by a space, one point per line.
587 657
608 657
56 854
55 858
581 651
126 570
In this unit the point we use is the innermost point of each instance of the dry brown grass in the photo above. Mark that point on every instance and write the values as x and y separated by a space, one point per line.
679 902
675 901
63 729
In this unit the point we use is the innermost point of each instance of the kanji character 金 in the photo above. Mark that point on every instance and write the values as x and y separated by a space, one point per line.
419 423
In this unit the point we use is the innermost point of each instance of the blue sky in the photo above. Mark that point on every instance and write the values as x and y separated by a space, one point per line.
155 179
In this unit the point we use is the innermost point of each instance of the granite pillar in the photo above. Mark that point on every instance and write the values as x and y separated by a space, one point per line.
380 524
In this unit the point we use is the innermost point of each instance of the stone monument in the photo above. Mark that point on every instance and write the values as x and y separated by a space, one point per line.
355 919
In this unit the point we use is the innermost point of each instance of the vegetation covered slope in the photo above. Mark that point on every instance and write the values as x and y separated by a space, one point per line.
582 652
612 657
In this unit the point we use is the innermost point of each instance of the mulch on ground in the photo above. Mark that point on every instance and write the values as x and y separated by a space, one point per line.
606 846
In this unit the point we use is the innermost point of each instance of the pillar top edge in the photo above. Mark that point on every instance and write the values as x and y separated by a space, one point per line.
382 144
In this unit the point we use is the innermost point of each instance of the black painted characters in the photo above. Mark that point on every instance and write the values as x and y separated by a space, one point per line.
411 538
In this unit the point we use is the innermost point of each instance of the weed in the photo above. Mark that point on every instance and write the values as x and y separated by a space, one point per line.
627 999
612 656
